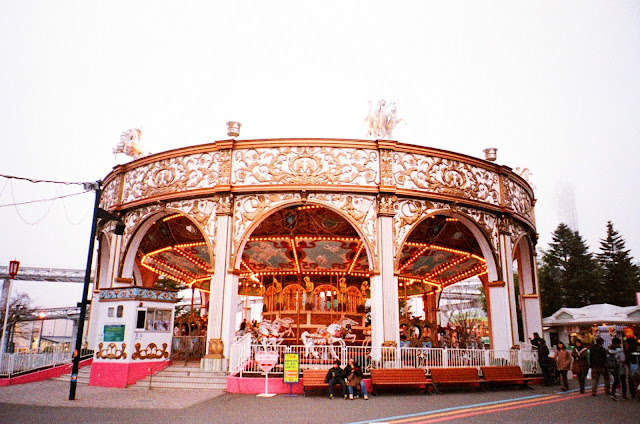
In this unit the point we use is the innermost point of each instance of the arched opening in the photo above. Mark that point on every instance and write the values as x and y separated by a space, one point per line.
438 287
169 251
306 263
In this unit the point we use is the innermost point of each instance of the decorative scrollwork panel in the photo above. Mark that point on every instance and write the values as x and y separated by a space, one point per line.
179 174
518 199
305 165
447 177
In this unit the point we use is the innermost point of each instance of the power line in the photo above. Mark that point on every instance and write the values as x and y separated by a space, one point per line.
44 200
35 181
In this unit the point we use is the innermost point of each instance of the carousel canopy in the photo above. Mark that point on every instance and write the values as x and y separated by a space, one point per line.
315 241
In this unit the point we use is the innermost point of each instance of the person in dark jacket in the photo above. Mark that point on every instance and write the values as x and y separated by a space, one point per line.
545 361
631 357
581 363
598 363
334 376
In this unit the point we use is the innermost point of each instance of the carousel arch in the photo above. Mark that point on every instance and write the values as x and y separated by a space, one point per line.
131 263
524 254
308 235
467 238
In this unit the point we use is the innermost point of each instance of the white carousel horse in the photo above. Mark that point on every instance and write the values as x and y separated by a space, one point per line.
311 340
335 333
266 337
342 329
282 327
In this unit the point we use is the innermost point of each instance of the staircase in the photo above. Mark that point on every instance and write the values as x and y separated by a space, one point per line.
171 378
83 376
184 377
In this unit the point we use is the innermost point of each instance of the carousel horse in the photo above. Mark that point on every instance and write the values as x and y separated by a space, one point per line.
282 327
335 333
266 336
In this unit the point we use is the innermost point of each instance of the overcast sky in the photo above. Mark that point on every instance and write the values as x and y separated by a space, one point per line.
554 85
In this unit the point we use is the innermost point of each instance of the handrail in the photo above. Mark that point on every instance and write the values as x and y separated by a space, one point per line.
151 373
240 352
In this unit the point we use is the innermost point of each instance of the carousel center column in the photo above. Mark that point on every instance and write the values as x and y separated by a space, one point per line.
502 298
388 279
220 313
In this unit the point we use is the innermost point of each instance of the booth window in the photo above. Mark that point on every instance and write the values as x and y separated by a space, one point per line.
151 319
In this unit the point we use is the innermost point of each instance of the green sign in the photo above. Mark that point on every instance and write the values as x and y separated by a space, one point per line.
291 367
114 333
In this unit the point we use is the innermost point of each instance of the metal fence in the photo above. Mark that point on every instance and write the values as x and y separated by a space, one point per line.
12 364
188 348
242 357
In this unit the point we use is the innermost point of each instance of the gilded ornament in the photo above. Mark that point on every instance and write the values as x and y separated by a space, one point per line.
111 351
150 352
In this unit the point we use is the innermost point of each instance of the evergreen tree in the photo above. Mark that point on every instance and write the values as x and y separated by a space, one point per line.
620 276
569 274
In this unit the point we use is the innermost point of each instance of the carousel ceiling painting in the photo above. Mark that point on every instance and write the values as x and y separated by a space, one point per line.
174 248
315 241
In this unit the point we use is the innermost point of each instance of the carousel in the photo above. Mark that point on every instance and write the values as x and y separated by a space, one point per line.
330 237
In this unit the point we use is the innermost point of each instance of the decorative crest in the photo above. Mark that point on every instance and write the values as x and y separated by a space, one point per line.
381 121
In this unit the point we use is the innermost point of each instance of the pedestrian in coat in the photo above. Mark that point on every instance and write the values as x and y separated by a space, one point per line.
619 372
563 361
580 365
598 363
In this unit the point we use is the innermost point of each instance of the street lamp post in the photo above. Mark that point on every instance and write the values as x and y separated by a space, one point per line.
98 213
13 271
85 293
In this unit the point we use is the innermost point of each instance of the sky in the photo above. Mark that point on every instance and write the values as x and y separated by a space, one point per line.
553 85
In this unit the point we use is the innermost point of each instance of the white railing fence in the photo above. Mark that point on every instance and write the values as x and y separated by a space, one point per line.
16 363
240 354
242 357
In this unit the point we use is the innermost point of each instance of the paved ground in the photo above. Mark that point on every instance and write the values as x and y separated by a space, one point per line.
47 402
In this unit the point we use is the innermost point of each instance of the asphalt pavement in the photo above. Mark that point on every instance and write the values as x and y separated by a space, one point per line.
47 402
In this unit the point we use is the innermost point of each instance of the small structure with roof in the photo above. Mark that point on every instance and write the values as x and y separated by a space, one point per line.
588 322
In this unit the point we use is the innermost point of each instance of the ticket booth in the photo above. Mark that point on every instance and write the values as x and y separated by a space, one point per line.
134 335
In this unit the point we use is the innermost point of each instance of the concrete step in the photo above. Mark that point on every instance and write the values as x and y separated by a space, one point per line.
184 377
83 376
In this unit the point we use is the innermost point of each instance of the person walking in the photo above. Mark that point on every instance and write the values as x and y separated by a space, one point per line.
598 364
617 367
631 359
563 361
334 376
580 365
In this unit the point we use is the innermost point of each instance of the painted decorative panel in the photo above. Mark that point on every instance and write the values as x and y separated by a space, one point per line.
305 165
446 177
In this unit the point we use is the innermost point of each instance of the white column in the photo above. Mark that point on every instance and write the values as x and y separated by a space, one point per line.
377 315
219 277
389 280
506 264
531 312
501 332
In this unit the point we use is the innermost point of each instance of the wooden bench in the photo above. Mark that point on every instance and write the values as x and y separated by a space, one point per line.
506 374
463 375
314 380
399 377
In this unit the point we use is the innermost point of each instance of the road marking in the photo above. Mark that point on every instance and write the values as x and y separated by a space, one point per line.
478 409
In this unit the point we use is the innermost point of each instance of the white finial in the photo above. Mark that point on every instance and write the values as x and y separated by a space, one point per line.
233 128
